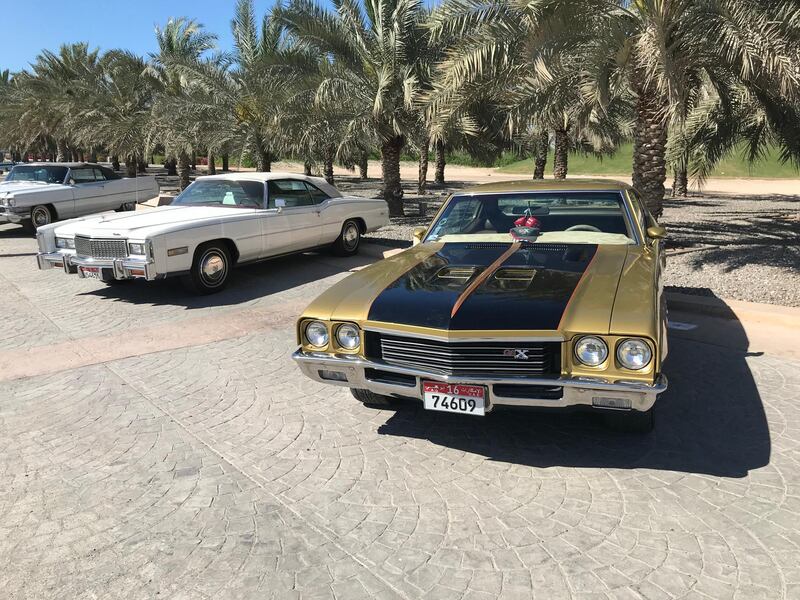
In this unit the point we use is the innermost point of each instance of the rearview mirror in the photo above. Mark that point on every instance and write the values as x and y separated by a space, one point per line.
419 233
656 232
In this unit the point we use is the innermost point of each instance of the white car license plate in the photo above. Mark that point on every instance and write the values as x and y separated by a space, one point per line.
92 272
454 397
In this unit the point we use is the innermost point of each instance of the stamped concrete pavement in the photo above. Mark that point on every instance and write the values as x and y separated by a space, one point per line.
203 465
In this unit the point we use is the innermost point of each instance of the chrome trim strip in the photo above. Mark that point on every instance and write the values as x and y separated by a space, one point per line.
489 337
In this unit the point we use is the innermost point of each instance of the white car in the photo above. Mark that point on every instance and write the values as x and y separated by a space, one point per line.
36 194
216 223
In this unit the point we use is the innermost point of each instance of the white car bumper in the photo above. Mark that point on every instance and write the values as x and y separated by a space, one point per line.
118 268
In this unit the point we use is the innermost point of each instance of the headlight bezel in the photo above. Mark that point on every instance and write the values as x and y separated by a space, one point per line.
344 327
585 363
633 340
67 243
308 338
140 246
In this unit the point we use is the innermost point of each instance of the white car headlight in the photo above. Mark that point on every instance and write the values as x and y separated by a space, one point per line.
317 334
348 336
591 351
62 242
136 248
634 354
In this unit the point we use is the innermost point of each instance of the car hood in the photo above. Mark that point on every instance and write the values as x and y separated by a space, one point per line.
444 286
23 187
142 223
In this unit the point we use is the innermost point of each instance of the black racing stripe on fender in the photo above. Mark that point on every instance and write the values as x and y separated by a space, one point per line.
425 294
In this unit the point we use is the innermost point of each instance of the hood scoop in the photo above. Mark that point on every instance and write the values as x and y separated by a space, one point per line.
512 278
455 276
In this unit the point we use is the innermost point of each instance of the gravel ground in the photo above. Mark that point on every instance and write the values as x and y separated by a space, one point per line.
739 247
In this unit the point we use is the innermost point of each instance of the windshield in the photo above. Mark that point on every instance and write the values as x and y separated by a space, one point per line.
567 217
222 192
45 174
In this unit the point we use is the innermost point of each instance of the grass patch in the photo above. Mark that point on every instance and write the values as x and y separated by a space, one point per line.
733 166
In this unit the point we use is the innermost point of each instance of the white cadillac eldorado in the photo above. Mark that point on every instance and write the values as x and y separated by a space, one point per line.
36 194
216 223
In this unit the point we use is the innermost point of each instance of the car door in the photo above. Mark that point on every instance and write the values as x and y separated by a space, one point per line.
90 194
292 220
331 214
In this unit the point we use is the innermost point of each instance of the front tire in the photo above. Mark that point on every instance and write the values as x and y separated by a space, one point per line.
211 268
41 215
634 421
371 399
349 239
127 207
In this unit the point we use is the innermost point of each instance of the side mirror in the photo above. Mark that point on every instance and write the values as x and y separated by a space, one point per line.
280 203
71 181
419 233
656 232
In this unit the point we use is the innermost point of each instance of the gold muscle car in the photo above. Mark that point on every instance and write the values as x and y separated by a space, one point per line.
531 294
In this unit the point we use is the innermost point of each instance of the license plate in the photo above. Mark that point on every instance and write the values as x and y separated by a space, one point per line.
454 397
92 272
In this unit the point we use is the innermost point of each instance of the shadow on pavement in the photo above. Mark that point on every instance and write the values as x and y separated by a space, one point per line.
711 420
248 282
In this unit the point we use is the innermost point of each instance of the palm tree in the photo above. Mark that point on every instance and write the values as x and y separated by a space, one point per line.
655 49
369 69
116 108
180 41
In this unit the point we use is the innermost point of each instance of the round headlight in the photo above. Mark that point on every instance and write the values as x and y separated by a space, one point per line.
634 354
317 334
591 351
348 336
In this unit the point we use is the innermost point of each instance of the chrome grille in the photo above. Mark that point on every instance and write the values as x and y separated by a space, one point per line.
100 248
467 358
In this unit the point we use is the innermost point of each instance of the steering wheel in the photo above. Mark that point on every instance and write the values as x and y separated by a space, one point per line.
583 228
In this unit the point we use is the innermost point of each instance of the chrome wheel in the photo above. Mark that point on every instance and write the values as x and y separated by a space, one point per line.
350 236
213 268
40 215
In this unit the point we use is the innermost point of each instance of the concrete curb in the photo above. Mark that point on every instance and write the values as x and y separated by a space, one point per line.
786 316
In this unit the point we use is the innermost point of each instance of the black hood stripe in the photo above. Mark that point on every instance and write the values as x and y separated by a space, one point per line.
540 280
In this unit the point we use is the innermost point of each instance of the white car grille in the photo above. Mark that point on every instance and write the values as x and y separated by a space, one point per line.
100 248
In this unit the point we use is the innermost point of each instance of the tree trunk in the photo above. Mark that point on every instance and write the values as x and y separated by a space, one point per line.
440 162
263 161
194 160
561 154
307 167
115 162
212 164
130 166
363 164
680 185
422 178
141 165
183 169
542 149
171 166
327 164
93 156
61 151
392 188
74 156
225 163
649 144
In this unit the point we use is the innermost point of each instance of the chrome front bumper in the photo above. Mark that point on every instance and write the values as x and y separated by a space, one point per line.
576 391
119 268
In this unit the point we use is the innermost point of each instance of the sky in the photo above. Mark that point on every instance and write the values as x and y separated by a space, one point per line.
30 27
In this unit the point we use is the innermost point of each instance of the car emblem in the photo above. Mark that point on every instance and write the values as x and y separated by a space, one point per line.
517 353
